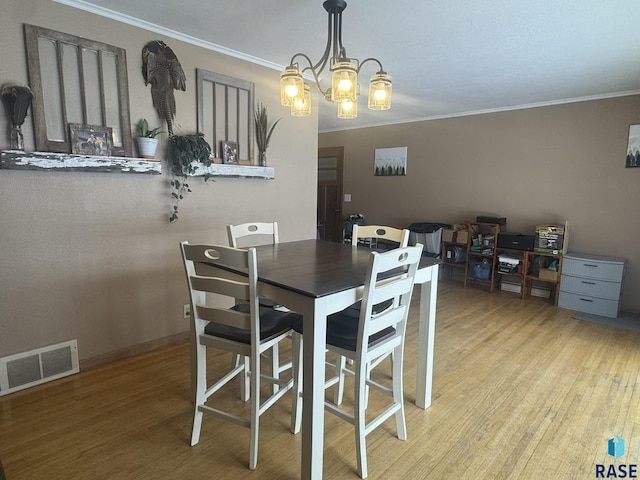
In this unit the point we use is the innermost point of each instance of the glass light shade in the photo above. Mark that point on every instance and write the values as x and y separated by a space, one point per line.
302 104
380 92
344 79
348 109
291 85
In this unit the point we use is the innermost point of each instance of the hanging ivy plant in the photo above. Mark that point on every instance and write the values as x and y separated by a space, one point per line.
184 152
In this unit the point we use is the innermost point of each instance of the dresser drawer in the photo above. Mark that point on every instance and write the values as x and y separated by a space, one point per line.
593 267
590 286
584 303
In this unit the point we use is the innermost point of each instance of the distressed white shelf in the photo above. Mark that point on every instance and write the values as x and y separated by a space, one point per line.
244 171
46 161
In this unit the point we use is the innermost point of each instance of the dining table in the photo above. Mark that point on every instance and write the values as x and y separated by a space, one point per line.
317 278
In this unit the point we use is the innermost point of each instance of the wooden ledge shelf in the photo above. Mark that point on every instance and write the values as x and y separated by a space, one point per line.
46 161
67 162
235 171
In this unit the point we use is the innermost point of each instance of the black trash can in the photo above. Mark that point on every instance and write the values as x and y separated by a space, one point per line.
428 234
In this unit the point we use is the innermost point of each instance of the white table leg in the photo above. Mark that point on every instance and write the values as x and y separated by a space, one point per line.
426 334
315 328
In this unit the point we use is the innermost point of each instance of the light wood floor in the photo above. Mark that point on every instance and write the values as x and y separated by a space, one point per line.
521 391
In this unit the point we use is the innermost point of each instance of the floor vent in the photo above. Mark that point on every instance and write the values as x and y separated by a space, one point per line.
29 369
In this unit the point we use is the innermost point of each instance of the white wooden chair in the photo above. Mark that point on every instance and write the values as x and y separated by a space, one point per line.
247 330
263 233
390 277
368 234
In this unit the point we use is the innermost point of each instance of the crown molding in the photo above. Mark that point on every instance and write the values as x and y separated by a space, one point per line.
551 103
167 32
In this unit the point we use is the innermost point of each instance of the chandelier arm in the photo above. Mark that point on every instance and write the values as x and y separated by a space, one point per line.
312 69
371 59
317 80
338 49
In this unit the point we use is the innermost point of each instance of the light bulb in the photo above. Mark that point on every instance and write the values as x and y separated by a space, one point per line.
380 94
347 106
292 90
344 84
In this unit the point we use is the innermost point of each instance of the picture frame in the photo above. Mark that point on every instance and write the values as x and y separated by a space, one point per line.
91 139
390 162
229 152
633 147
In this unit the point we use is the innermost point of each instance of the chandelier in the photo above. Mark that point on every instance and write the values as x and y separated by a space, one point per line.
344 89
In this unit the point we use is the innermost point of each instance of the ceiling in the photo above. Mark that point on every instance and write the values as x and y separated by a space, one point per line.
447 58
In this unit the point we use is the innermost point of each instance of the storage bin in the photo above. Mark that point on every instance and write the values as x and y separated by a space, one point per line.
429 235
480 269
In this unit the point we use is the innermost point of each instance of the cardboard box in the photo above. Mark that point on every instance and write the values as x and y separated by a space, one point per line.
462 236
548 275
448 235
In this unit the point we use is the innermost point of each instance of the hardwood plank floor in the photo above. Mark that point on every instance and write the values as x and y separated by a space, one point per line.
521 391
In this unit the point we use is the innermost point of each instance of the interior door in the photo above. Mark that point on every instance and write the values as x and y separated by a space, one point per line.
330 220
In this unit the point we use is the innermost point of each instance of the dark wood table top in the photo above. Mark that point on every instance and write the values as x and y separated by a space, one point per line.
316 268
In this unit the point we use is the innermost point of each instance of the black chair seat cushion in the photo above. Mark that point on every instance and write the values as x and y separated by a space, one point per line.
342 331
272 324
354 310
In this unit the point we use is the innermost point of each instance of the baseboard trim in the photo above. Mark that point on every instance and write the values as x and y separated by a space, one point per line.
98 360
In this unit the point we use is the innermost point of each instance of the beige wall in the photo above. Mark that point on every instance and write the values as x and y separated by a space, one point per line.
535 166
91 256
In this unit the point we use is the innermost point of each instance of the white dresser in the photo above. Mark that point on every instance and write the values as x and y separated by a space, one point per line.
592 283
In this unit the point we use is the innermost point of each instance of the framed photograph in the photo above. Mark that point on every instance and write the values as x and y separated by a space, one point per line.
633 147
229 152
390 162
91 139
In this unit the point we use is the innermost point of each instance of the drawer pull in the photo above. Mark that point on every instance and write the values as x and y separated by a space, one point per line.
586 300
589 283
590 265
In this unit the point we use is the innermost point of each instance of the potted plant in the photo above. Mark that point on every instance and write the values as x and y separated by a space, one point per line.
185 151
263 132
147 141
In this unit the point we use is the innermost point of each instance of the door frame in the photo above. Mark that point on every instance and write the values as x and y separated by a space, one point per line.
337 152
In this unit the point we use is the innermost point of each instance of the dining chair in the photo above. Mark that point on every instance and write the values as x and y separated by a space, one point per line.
264 233
247 330
360 234
390 278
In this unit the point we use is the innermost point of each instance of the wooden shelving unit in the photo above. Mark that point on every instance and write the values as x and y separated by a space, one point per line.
485 237
449 267
529 278
520 273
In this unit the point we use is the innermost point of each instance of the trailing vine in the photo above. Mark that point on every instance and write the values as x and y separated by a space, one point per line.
184 152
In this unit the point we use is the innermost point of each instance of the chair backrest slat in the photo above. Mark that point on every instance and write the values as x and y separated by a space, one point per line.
224 316
214 254
237 232
400 236
222 286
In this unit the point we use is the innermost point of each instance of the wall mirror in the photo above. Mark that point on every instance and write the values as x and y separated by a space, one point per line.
80 81
225 112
